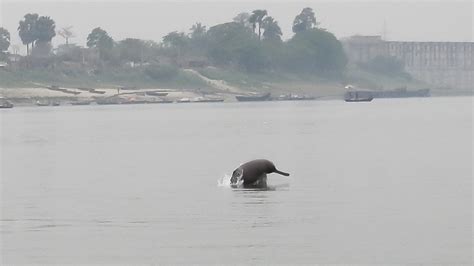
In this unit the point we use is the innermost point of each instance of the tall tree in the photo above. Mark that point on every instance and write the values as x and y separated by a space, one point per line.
66 33
177 41
256 19
27 30
243 19
233 44
133 50
4 40
315 50
45 29
198 39
271 29
100 39
305 20
198 31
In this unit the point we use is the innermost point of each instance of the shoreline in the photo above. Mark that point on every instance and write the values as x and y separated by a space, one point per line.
34 96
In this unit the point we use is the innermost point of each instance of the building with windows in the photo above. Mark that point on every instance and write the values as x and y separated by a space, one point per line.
441 64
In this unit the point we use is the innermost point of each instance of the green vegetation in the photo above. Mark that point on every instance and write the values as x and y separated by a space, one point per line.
37 31
4 41
248 52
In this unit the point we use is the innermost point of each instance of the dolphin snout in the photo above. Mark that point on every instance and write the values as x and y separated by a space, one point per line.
282 173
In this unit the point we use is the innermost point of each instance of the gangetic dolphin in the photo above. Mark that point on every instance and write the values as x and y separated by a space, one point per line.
254 173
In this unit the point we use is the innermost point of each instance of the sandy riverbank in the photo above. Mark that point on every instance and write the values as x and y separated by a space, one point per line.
29 96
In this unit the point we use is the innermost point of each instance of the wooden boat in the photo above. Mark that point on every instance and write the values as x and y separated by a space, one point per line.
91 90
207 100
184 100
57 88
81 103
294 97
358 96
161 101
156 93
110 100
96 91
5 104
253 98
42 103
401 93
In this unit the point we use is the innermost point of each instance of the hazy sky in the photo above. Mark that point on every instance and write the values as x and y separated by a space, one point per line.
404 20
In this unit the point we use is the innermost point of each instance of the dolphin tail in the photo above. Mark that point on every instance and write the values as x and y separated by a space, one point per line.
281 173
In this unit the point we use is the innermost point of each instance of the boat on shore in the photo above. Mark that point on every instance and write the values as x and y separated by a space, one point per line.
91 90
207 100
294 97
253 98
5 103
156 93
81 103
160 101
401 93
183 100
358 96
47 103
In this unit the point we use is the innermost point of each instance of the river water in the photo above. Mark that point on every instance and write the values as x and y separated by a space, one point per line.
388 181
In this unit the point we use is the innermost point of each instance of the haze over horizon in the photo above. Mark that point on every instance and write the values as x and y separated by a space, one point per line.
151 20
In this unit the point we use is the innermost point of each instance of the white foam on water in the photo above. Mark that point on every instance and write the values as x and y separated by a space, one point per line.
225 182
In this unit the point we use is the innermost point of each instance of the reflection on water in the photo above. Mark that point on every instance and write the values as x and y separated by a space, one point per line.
137 185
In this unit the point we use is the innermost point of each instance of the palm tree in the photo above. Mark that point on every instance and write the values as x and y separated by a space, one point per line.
272 30
197 31
45 29
27 30
257 18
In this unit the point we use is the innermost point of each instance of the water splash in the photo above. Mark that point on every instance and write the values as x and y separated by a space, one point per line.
225 182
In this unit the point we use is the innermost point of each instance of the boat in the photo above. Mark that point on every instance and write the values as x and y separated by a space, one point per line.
294 97
160 101
43 103
57 88
91 90
184 100
207 100
401 93
81 103
5 104
110 100
253 98
156 93
358 96
96 91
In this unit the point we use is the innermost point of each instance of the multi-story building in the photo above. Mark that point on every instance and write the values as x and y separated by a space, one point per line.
441 64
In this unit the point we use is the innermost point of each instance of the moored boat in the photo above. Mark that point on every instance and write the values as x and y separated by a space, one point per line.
253 98
5 104
358 96
207 100
47 103
81 103
294 97
184 100
401 93
156 93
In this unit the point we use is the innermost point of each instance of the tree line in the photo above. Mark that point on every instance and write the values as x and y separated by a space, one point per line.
250 42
